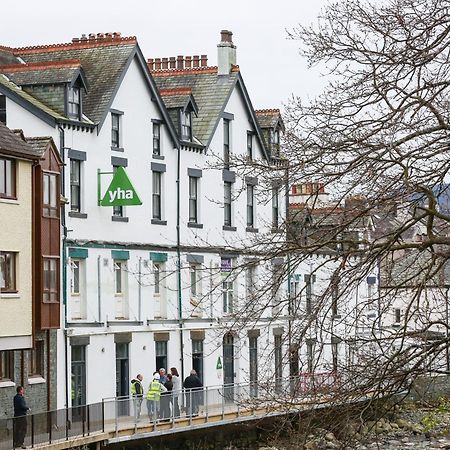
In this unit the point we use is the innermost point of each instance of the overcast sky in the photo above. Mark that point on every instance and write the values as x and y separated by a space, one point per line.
269 62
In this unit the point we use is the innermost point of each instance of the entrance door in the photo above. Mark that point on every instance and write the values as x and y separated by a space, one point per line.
78 387
253 362
122 377
228 366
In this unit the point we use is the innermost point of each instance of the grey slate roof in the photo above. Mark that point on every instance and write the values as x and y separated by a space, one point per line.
103 67
210 92
37 77
14 144
40 144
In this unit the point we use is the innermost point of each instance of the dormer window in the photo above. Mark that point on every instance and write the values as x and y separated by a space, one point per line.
74 102
275 140
186 125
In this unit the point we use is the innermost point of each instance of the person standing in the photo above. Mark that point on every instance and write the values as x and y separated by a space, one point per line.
137 392
166 399
192 385
162 375
20 417
176 391
153 396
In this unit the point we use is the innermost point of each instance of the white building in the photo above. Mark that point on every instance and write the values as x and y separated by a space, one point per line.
155 285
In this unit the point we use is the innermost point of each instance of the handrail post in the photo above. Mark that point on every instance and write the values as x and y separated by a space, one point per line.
116 414
190 407
83 419
88 421
103 415
50 428
238 401
32 429
67 423
206 403
223 401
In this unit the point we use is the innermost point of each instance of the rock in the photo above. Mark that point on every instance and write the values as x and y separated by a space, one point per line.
332 445
402 423
311 445
330 437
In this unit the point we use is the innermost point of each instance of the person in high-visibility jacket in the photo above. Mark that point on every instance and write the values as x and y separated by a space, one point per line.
153 396
137 392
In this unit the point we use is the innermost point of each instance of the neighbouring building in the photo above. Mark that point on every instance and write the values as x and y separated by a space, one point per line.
29 263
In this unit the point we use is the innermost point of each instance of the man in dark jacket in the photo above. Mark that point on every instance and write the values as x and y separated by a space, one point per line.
193 387
137 391
20 418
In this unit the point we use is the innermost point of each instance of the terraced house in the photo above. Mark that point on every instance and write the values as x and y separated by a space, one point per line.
158 222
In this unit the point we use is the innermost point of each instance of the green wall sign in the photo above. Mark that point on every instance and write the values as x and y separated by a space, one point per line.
120 191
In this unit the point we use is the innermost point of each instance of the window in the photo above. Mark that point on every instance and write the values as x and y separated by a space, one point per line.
118 211
309 280
156 196
75 278
275 207
334 295
3 109
115 130
277 277
6 365
186 128
250 281
227 203
250 206
226 143
50 275
8 272
75 185
275 141
50 190
195 272
118 277
161 354
7 178
74 103
253 363
36 359
77 289
157 278
227 296
157 139
397 315
278 357
193 199
249 145
197 357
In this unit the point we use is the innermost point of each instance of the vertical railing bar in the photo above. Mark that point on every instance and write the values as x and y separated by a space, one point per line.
206 404
50 428
103 415
116 418
67 424
32 430
88 421
223 402
190 407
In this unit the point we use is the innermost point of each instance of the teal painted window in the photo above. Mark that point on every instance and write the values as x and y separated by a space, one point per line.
78 253
158 257
120 254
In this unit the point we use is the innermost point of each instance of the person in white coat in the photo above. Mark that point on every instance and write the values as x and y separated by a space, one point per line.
176 391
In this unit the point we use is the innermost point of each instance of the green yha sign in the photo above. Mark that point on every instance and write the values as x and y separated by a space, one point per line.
120 192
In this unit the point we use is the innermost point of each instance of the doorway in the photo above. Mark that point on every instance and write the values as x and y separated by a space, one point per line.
228 367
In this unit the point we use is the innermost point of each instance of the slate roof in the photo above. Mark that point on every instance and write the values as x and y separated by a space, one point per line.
14 144
268 118
40 144
103 62
210 92
38 74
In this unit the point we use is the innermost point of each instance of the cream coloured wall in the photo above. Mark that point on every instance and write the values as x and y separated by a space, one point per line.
16 236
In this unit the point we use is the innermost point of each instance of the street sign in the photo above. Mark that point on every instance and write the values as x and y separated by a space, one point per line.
120 192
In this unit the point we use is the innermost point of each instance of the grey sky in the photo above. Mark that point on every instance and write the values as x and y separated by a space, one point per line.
270 64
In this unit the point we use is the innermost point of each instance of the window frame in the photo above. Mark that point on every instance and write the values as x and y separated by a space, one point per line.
226 142
6 365
228 295
50 192
115 130
156 133
275 207
250 205
50 285
119 281
195 280
193 199
227 203
75 185
3 109
118 211
36 364
11 274
9 170
156 195
186 125
74 102
157 278
250 146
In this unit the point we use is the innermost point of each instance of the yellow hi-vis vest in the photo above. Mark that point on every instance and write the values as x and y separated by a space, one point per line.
154 391
133 388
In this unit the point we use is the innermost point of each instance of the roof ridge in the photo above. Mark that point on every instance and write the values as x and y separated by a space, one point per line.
5 48
79 44
40 65
170 72
267 111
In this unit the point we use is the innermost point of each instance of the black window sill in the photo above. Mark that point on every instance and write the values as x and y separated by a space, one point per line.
229 228
117 149
396 325
252 230
159 222
336 316
194 225
78 215
158 157
276 230
119 219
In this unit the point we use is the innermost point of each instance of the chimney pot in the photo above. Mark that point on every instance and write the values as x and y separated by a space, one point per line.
226 36
196 61
204 60
100 36
91 36
172 62
75 39
188 62
108 35
165 63
83 37
180 62
151 64
157 63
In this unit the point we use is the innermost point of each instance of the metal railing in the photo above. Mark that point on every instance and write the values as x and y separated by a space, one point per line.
177 410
